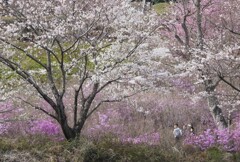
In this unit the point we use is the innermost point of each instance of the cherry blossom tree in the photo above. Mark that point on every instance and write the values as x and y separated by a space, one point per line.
74 51
204 36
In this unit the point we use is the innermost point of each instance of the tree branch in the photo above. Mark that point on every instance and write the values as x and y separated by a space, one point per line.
113 100
228 83
28 78
27 54
38 108
50 76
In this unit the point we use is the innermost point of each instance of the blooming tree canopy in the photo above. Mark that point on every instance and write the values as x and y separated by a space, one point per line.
72 51
203 36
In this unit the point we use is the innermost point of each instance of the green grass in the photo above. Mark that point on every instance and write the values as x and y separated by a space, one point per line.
45 149
161 8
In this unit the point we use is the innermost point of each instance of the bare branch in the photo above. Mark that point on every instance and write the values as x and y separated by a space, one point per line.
113 100
50 76
106 84
228 83
79 37
28 78
27 54
100 103
48 50
38 108
62 68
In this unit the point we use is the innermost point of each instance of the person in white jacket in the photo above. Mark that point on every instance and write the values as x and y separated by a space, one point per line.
177 132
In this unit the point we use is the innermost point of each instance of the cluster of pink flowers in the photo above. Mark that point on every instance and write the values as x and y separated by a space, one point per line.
45 127
4 127
228 140
11 122
106 126
203 141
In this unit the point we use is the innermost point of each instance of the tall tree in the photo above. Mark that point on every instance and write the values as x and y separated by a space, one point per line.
74 50
201 43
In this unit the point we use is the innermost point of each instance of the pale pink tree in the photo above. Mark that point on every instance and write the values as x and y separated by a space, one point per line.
73 51
203 35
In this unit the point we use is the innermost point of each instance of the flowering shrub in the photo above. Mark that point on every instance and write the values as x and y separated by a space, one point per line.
44 126
103 125
12 121
204 140
9 117
107 125
4 127
228 140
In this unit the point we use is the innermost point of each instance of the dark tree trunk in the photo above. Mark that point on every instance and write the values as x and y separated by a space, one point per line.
213 105
210 85
216 112
68 132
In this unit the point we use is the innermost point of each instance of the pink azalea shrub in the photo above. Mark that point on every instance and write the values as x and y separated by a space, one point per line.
13 121
45 127
105 126
4 127
9 117
227 140
146 118
203 141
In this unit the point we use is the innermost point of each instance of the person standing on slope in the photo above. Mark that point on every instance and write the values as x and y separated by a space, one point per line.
177 132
